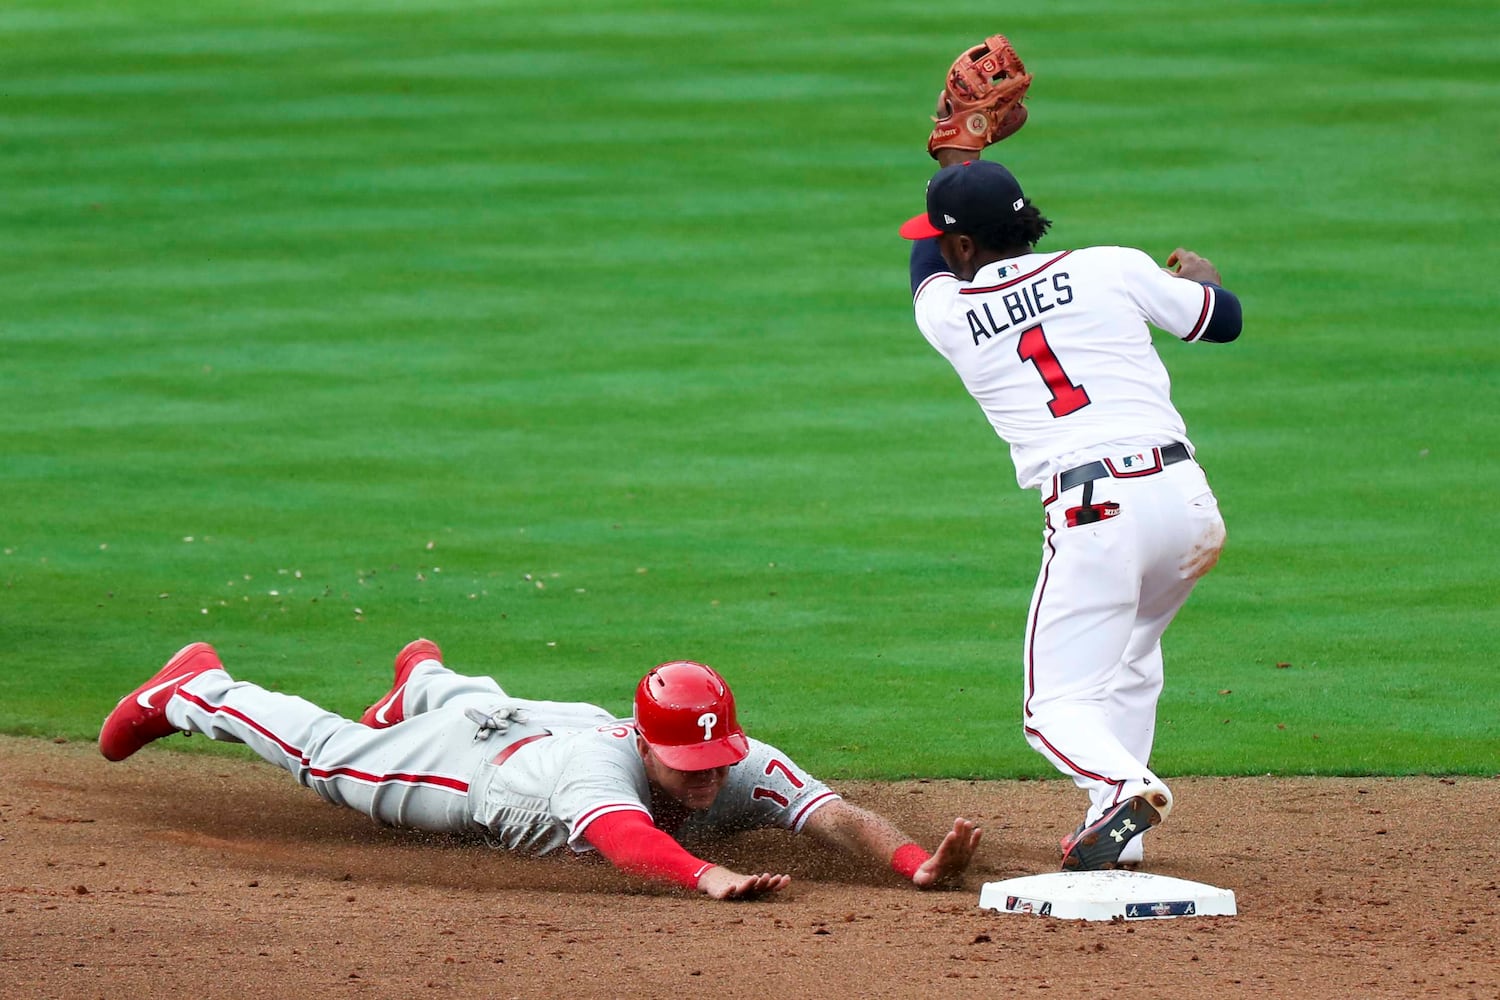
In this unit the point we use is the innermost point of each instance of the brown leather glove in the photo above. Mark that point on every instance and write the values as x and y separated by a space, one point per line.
981 102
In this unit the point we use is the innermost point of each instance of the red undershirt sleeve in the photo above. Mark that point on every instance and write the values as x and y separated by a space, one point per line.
629 841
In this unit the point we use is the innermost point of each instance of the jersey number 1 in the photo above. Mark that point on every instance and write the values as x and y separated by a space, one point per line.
1066 397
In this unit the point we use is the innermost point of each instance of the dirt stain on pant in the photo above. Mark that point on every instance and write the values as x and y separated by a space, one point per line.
1204 556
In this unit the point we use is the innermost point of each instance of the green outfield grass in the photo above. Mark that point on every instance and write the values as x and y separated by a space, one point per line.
577 336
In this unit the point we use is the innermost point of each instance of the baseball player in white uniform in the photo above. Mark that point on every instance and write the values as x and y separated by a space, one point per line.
451 753
1056 349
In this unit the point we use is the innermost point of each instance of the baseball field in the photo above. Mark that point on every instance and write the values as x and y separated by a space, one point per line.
577 337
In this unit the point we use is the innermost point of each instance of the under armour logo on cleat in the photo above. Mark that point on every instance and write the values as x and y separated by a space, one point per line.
1120 834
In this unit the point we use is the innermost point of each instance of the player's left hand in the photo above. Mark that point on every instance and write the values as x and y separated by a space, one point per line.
721 883
1183 263
951 858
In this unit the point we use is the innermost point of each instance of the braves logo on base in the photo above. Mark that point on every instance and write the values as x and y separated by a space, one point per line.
1019 904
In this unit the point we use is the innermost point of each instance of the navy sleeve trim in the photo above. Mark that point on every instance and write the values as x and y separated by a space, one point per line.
1225 322
926 260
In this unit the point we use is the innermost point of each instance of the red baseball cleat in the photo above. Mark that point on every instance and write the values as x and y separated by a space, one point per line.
141 716
388 710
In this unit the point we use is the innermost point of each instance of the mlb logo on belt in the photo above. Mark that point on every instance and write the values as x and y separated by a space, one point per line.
1142 463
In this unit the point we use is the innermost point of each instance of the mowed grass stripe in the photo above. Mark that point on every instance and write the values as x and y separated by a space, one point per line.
320 286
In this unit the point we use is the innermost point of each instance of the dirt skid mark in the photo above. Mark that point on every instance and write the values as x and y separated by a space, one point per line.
1204 555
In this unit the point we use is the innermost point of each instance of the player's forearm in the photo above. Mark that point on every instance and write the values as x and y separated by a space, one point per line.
861 833
629 842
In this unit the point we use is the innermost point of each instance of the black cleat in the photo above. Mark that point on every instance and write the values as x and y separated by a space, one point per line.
1097 847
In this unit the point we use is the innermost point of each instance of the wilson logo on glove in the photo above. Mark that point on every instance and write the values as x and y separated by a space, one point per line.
984 90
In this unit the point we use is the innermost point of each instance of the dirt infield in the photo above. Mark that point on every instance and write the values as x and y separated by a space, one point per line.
184 875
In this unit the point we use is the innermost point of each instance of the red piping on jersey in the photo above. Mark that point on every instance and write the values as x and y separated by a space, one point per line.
1031 668
1015 280
1117 783
286 747
442 781
505 755
1031 664
1035 613
1155 453
928 280
806 810
608 807
1203 316
1056 482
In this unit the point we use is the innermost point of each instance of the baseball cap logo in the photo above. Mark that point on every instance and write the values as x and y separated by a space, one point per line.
708 720
968 197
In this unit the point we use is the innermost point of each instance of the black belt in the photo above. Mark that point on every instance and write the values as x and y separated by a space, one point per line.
1170 454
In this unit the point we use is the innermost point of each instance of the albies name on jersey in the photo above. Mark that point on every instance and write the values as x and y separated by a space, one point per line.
1020 304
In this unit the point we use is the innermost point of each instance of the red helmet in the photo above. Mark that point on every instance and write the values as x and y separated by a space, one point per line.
685 713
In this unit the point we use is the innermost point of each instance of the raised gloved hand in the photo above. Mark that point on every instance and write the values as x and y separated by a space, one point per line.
981 100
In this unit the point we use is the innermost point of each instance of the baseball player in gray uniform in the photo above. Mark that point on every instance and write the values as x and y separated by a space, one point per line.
451 753
1056 349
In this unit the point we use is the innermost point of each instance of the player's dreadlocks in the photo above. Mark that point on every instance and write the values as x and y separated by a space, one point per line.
1023 230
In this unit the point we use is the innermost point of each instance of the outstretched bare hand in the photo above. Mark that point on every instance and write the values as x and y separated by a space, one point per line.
721 883
951 858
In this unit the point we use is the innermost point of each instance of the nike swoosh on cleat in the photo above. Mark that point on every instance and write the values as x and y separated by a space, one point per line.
144 698
380 712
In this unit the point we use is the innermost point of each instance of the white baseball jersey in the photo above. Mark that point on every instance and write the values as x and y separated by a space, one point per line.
1056 350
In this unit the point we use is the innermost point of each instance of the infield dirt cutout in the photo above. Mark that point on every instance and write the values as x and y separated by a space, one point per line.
184 875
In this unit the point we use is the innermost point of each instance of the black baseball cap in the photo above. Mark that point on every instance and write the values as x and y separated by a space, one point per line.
966 197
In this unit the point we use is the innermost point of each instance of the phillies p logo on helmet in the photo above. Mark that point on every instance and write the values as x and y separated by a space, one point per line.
685 712
707 721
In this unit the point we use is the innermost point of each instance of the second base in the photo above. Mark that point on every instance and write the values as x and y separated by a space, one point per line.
1107 895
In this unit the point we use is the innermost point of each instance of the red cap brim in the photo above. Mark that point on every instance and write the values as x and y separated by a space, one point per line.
702 756
919 227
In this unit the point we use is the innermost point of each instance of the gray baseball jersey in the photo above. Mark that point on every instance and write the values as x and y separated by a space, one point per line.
546 793
535 787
